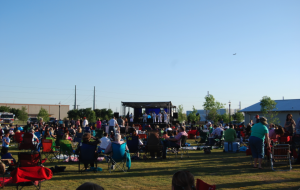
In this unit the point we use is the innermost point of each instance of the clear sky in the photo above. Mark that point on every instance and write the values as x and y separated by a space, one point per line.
134 50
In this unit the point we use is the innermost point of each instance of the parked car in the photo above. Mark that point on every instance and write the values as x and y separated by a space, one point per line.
51 120
33 120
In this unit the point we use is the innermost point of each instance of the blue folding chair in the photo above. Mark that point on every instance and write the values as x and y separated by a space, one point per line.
119 158
38 135
87 156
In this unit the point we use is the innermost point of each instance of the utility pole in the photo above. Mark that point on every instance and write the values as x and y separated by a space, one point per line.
94 99
75 99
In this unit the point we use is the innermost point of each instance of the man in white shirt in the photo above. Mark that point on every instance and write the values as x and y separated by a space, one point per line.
159 116
154 117
166 117
104 141
168 128
145 117
112 124
85 122
130 118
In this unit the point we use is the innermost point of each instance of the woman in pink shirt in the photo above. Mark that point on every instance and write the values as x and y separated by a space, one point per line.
98 124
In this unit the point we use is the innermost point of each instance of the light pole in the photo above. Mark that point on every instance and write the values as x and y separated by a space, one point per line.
59 112
229 103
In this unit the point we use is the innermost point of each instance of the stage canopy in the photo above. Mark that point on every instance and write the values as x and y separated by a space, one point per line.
148 104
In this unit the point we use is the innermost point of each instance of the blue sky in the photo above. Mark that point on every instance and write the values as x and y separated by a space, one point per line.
154 50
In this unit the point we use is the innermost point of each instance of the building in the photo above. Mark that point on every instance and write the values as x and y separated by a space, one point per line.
283 107
203 113
33 109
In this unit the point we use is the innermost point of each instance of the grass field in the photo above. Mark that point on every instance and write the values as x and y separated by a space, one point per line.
225 170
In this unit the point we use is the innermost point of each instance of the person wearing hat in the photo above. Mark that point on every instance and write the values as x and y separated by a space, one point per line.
259 133
86 140
85 122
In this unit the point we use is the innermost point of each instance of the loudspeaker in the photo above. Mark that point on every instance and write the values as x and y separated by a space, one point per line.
175 115
116 114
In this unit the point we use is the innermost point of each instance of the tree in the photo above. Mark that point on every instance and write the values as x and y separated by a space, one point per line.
181 115
212 107
267 108
43 113
4 109
73 114
23 115
15 111
193 116
88 113
225 118
238 116
98 113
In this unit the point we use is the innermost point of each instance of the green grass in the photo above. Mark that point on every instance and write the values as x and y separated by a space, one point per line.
226 170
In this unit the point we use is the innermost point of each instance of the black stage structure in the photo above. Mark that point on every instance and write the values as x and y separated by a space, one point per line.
149 108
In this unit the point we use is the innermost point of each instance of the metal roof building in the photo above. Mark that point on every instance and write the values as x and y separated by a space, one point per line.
283 107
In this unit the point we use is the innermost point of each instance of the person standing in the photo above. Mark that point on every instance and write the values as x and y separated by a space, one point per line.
159 117
145 117
130 118
166 117
98 124
72 122
67 123
290 124
120 121
154 117
112 124
257 118
85 122
77 123
259 133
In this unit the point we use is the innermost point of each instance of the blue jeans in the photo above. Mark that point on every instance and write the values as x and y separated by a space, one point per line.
257 147
167 144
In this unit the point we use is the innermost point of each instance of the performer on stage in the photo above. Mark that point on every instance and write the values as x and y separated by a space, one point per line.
154 117
159 117
145 117
130 118
166 117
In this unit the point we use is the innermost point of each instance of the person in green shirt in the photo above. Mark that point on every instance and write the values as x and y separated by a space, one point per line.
230 134
259 132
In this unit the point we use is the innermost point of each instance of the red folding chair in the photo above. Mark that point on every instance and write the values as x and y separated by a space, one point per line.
25 176
18 137
26 159
201 185
48 149
27 143
284 139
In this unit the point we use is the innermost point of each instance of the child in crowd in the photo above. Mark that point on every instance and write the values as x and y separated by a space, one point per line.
5 140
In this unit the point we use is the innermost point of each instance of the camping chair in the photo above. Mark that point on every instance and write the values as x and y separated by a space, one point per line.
203 136
201 185
133 145
27 143
38 135
99 134
66 148
153 142
26 159
119 158
48 151
280 155
182 147
18 137
27 176
87 155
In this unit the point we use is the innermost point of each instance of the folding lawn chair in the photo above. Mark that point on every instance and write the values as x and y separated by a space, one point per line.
27 143
87 155
18 137
48 151
280 155
66 148
153 142
201 185
119 157
27 176
99 134
38 135
26 159
133 145
183 147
